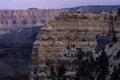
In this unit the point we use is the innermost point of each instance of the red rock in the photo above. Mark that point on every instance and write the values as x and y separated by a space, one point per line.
29 16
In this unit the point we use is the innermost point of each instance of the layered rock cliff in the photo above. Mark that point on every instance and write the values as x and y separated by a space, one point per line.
26 17
18 30
34 16
76 29
59 39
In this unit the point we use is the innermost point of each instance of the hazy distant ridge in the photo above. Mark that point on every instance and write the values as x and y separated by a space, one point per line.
95 9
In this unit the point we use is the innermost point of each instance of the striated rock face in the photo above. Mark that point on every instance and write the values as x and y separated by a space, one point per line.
26 17
73 28
70 30
18 30
16 42
34 16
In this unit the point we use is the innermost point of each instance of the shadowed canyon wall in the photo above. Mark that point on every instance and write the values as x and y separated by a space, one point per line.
18 30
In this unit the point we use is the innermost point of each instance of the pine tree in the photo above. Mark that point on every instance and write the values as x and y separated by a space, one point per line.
61 70
80 64
118 12
115 74
103 66
52 73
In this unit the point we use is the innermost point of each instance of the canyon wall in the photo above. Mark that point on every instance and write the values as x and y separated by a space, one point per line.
18 30
26 17
70 30
34 16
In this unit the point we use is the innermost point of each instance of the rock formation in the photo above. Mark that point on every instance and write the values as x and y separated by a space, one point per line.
18 29
66 31
26 17
34 16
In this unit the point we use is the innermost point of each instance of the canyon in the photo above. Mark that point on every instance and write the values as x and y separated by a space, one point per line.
34 16
19 29
59 41
26 17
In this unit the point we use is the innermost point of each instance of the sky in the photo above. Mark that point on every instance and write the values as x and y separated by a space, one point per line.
52 4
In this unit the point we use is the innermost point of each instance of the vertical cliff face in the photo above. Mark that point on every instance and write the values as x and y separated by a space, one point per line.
26 17
18 30
72 29
69 30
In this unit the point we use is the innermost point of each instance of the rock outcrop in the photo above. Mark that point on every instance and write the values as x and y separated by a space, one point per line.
69 30
73 29
18 30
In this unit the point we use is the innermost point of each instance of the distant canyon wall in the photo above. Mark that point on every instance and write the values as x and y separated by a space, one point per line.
26 17
34 16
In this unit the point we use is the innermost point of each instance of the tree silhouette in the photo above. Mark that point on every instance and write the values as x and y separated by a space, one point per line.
52 73
118 12
85 67
114 38
115 74
103 65
80 64
61 71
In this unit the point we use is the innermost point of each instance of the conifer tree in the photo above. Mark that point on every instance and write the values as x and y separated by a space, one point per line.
103 66
52 73
115 74
118 12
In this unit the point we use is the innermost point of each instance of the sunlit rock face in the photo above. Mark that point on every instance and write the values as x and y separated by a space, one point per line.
69 30
26 17
113 52
18 29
